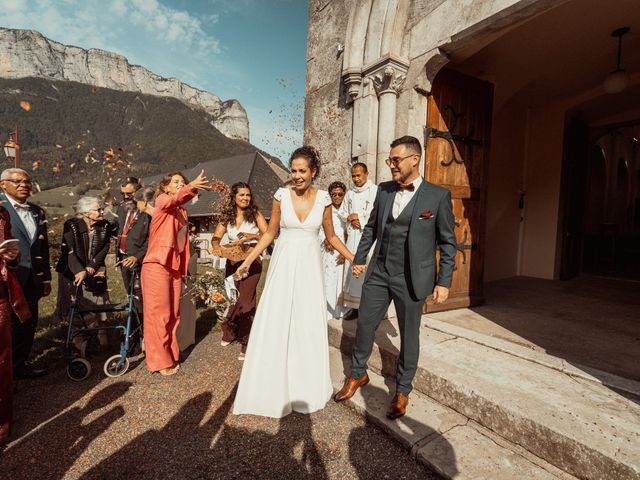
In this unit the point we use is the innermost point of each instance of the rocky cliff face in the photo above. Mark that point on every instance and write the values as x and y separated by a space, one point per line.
27 53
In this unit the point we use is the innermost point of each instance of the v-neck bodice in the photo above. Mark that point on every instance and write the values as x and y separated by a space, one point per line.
289 221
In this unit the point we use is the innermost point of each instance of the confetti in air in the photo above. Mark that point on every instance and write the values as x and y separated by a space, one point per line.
224 201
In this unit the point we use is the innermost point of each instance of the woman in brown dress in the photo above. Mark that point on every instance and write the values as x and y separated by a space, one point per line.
243 222
11 300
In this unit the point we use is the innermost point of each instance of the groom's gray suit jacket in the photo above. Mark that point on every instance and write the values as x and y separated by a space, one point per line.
427 221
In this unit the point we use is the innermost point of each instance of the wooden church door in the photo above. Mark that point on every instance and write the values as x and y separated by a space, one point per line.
457 135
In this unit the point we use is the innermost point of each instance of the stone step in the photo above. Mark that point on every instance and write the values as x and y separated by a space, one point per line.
446 442
579 426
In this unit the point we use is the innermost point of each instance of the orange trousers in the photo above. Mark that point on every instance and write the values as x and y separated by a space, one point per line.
161 289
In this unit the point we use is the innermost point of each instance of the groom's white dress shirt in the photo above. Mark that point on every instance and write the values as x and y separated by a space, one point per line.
403 197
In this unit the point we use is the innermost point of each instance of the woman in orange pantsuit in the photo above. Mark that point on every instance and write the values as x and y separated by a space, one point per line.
162 268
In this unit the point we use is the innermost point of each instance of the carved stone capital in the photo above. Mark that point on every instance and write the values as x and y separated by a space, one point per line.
389 80
352 80
387 75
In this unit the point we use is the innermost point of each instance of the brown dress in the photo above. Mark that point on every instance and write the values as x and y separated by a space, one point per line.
11 300
237 324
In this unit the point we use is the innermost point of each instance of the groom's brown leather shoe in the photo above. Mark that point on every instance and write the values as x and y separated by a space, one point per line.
398 406
350 386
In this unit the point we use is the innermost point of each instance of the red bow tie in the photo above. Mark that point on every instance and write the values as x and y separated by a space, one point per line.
405 186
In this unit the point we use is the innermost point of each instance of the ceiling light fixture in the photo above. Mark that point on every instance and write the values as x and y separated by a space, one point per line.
617 80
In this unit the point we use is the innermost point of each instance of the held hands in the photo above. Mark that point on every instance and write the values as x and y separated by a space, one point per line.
200 182
357 270
440 294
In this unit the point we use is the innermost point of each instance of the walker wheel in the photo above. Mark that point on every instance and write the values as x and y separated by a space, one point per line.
112 368
78 369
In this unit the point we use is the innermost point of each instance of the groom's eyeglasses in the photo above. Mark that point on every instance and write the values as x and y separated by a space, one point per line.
395 161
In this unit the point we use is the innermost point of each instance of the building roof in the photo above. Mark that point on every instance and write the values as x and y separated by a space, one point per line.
263 175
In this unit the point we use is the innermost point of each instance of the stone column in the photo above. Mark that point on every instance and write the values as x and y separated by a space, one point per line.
387 80
364 130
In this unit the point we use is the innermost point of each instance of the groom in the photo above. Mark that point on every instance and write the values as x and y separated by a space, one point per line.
410 217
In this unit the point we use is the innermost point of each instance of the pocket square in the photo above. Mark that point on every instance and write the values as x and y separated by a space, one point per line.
426 215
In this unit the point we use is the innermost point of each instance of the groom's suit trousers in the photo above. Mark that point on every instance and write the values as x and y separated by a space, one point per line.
377 293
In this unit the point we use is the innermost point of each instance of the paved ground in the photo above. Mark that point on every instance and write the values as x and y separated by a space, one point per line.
147 426
590 321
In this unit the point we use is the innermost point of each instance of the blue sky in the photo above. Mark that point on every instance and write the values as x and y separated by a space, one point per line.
251 50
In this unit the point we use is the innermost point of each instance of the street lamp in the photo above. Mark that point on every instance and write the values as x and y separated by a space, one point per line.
12 147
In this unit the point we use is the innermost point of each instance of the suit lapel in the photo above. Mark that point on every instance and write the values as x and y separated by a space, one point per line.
416 206
387 207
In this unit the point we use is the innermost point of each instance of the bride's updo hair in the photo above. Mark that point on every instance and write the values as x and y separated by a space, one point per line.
310 154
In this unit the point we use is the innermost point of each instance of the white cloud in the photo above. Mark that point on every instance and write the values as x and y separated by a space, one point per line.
169 25
119 7
93 23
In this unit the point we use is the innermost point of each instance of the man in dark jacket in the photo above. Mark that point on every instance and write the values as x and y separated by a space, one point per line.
410 219
29 226
133 234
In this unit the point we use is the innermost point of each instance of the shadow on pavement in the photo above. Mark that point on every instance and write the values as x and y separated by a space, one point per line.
50 450
190 446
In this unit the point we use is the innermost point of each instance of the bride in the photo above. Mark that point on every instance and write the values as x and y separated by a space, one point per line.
286 366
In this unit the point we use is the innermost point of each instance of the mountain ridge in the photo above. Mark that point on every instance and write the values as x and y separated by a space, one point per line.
75 134
28 53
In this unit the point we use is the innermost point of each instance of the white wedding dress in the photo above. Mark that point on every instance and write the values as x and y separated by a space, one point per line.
286 367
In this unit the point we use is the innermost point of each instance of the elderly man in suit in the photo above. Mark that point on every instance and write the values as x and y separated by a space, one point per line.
28 225
133 237
410 218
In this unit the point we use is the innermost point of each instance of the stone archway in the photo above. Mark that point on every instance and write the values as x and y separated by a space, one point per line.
394 49
374 73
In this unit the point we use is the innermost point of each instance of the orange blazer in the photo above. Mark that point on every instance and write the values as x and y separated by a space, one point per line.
163 231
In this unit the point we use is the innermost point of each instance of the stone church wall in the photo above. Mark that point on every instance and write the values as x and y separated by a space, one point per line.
355 46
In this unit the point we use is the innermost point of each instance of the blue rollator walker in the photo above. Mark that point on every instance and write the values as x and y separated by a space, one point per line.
78 368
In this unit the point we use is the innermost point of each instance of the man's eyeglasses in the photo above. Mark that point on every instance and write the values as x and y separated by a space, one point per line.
126 194
337 194
22 181
395 161
99 210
